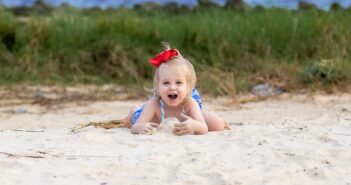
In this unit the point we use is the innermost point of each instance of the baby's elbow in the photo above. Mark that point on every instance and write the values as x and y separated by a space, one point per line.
134 130
218 126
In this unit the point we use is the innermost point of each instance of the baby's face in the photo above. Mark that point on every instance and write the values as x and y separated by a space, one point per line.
172 85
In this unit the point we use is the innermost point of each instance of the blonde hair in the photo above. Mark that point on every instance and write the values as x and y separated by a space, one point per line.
190 76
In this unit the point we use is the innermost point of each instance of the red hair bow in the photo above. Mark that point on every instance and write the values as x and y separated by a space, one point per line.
163 57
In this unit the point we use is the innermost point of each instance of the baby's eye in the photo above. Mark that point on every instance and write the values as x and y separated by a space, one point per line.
165 83
179 82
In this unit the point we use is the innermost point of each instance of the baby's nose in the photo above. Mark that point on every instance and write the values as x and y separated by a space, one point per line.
172 86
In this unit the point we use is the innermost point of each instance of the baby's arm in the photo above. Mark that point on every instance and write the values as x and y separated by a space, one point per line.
192 124
144 123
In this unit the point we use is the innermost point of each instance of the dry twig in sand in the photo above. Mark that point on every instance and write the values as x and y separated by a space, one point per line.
19 155
102 124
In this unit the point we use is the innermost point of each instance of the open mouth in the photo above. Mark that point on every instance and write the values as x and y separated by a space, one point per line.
172 96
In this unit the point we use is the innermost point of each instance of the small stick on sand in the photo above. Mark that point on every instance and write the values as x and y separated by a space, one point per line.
17 155
102 124
22 130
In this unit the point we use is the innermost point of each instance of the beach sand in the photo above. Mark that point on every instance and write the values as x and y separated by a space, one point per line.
290 140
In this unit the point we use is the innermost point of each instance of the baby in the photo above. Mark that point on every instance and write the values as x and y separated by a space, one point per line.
174 96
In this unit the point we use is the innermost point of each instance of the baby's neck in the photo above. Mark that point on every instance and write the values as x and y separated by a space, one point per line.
173 111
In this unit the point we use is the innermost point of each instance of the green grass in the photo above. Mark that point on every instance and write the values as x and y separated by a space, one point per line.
286 48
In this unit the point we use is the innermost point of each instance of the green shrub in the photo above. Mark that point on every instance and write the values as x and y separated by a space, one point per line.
94 46
326 72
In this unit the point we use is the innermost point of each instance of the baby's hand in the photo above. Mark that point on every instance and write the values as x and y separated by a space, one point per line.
146 128
185 127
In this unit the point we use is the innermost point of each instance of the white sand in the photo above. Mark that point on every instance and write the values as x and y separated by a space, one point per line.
290 140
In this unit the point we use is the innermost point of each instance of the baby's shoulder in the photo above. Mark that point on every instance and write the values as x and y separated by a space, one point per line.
153 102
190 104
153 105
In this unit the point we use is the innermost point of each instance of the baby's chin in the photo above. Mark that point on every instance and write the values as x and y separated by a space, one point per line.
173 102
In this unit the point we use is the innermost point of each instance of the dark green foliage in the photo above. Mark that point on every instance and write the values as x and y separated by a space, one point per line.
307 6
326 72
113 46
39 8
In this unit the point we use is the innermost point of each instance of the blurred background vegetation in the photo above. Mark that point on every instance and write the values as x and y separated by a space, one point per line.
233 47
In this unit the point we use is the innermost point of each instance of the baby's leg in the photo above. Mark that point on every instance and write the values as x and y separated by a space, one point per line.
214 122
128 120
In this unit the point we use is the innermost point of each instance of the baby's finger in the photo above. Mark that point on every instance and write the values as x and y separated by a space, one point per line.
149 128
182 132
176 130
154 125
184 116
180 124
182 127
178 133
